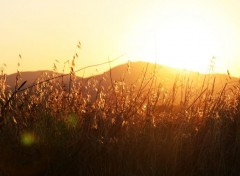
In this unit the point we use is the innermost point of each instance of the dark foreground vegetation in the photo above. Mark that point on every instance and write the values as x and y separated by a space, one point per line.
142 129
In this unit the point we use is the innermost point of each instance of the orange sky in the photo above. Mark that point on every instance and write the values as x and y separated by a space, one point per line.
183 34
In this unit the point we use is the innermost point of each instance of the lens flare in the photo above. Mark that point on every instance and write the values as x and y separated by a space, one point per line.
28 139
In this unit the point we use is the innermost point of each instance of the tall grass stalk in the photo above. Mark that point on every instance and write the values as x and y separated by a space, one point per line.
89 127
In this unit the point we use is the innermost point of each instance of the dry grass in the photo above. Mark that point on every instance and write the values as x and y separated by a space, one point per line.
87 128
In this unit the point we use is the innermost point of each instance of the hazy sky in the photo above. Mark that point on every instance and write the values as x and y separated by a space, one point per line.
183 34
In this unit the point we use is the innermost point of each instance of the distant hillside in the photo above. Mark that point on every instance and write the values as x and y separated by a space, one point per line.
133 73
29 76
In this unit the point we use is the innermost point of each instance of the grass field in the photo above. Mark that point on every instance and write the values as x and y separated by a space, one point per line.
85 128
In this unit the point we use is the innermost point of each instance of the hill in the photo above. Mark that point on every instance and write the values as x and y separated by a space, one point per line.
132 73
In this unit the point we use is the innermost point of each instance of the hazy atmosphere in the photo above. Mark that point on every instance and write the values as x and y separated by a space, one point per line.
183 34
120 88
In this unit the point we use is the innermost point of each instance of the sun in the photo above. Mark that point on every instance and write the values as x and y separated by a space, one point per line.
183 40
185 43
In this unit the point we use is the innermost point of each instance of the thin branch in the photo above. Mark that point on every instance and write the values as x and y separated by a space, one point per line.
67 74
13 94
196 99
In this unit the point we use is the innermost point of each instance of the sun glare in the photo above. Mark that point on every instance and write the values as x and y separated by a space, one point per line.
181 39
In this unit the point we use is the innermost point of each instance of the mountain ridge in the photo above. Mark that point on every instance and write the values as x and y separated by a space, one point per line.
128 72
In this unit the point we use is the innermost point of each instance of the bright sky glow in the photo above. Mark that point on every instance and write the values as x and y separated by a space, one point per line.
183 34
